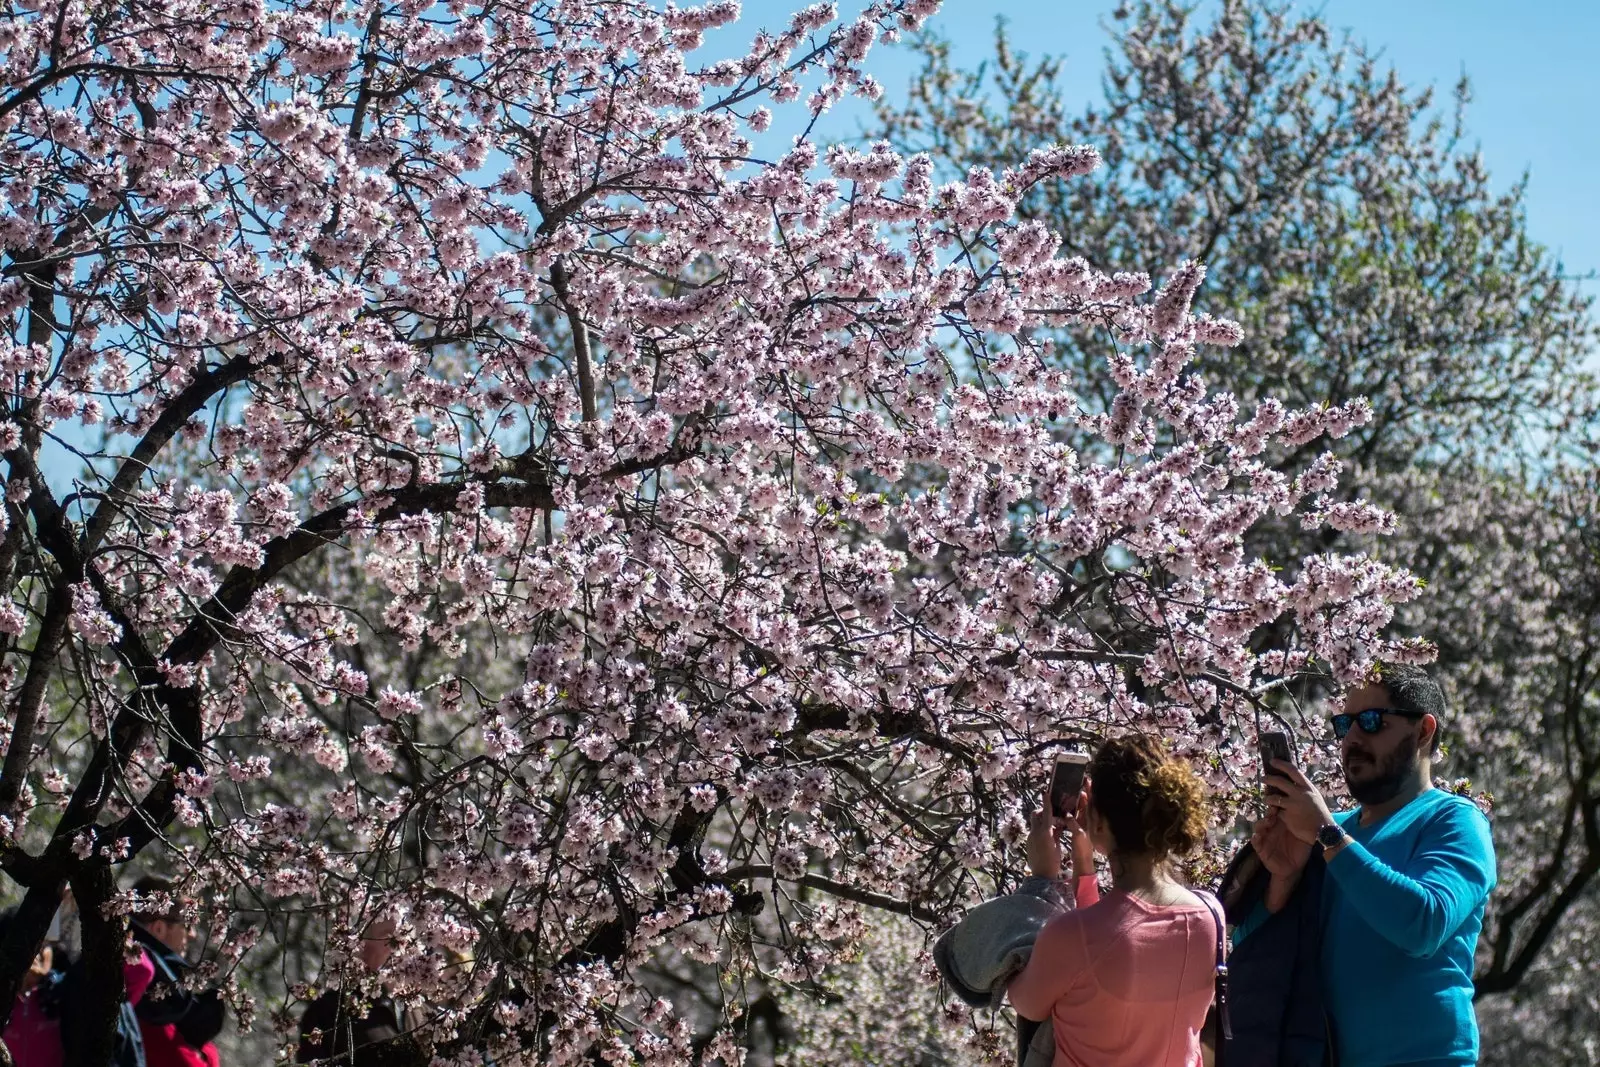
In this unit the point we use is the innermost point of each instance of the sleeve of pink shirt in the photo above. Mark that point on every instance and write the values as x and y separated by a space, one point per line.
1087 891
136 976
1057 958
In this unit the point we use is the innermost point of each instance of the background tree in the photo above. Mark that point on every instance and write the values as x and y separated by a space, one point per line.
1358 237
1351 228
1520 590
761 545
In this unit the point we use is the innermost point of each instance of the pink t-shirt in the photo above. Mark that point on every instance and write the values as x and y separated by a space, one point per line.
1124 983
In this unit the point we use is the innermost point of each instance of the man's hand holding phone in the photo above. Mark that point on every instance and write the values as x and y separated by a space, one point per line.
1297 802
1282 850
1272 746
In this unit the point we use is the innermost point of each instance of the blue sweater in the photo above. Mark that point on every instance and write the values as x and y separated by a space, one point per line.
1402 908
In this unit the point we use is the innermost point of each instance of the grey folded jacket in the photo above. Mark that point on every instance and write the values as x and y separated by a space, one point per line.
980 955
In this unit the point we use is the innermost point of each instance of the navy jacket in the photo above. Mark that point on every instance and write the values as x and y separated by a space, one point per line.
198 1016
1275 974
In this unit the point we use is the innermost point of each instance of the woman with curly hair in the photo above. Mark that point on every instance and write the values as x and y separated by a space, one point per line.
1125 979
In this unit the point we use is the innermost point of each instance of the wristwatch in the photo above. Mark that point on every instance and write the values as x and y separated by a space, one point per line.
1331 837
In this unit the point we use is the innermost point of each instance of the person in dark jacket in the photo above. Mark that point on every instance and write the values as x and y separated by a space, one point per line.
178 1026
69 1000
1275 975
332 1029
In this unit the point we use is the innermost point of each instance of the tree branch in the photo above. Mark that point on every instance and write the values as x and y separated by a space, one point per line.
195 396
580 341
837 889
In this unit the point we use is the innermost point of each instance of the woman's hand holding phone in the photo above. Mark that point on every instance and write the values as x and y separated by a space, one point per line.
1044 849
1078 837
1283 855
1044 841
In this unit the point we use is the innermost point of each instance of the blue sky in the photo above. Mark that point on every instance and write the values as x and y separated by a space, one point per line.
1536 84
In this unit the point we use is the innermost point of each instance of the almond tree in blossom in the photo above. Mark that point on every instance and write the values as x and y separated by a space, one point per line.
760 545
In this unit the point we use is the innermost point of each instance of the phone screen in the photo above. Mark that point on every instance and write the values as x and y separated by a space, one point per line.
1274 746
1066 783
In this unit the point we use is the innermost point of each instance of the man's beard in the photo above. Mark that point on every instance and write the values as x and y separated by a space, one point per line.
1391 777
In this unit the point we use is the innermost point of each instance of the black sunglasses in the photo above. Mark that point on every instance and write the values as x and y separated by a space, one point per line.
1371 720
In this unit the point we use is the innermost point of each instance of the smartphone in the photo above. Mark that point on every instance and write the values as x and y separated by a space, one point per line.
1273 745
1066 782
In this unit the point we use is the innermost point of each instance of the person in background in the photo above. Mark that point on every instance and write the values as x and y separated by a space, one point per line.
178 1026
33 1034
44 1021
331 1027
1126 980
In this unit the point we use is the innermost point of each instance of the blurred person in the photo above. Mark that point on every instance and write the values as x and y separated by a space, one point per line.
332 1026
33 1034
45 1021
178 1026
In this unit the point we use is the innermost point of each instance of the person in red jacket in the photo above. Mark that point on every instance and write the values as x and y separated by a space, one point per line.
33 1036
178 1025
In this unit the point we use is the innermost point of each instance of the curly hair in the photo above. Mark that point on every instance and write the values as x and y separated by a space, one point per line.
1152 800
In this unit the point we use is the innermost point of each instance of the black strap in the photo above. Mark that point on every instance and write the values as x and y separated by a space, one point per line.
1224 1026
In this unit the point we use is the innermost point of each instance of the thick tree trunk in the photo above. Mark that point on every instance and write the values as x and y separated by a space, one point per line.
102 991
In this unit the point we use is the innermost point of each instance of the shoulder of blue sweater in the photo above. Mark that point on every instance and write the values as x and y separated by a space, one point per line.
1448 805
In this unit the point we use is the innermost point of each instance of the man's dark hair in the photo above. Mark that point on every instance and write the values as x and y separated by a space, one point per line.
1412 689
151 911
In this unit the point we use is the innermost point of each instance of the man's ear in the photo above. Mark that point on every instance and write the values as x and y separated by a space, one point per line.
1430 731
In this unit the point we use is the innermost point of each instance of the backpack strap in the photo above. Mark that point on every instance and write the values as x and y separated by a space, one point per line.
1224 1026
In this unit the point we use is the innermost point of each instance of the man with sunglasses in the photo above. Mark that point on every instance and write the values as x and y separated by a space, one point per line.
1406 877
